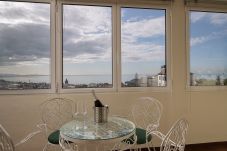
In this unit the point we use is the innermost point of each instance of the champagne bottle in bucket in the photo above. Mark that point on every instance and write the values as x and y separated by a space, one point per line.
100 110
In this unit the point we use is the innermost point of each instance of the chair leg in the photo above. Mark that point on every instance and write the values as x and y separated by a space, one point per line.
45 147
153 147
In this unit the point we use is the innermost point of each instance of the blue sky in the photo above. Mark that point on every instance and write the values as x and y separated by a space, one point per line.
208 48
143 40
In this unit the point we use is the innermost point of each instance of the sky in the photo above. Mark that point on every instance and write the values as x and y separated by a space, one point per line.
24 38
142 40
208 43
87 40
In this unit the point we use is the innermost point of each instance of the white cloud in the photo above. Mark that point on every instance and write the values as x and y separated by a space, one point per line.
87 19
202 39
199 40
88 58
144 28
14 13
91 38
143 52
87 34
197 16
213 17
219 18
135 49
99 33
36 62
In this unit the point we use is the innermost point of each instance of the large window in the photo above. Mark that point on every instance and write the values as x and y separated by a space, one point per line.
24 45
208 48
69 46
143 47
87 46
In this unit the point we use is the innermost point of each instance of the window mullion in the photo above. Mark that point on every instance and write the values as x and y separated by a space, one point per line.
118 45
115 48
58 40
53 46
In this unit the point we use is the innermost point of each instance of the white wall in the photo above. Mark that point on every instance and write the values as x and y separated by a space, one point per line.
205 110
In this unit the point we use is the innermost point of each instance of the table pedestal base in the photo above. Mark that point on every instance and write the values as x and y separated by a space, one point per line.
101 145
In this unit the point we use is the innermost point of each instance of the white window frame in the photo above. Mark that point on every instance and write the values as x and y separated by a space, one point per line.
52 53
207 8
60 48
147 5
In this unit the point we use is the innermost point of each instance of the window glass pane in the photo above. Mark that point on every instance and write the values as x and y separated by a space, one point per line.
87 46
143 47
208 48
24 45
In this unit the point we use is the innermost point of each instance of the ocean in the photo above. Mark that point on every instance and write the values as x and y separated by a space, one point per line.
87 79
72 79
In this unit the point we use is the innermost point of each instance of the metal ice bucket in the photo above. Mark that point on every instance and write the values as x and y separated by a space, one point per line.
101 114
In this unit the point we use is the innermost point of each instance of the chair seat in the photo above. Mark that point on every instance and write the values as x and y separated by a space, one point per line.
141 137
53 138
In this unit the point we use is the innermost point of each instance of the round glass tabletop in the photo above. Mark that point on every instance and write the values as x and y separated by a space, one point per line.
89 130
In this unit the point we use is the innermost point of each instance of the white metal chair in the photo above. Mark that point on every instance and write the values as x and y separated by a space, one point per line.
55 112
6 143
174 140
146 113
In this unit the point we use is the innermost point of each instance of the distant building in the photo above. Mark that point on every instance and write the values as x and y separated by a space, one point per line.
92 85
149 81
3 84
143 81
134 82
13 86
66 81
192 79
160 78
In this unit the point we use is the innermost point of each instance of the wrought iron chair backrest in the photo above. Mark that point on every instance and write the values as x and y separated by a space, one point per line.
147 112
6 143
56 112
175 138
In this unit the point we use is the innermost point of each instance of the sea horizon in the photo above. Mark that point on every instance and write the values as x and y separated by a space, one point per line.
72 79
86 79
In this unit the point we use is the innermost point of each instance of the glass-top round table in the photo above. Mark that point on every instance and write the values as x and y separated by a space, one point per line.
87 131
